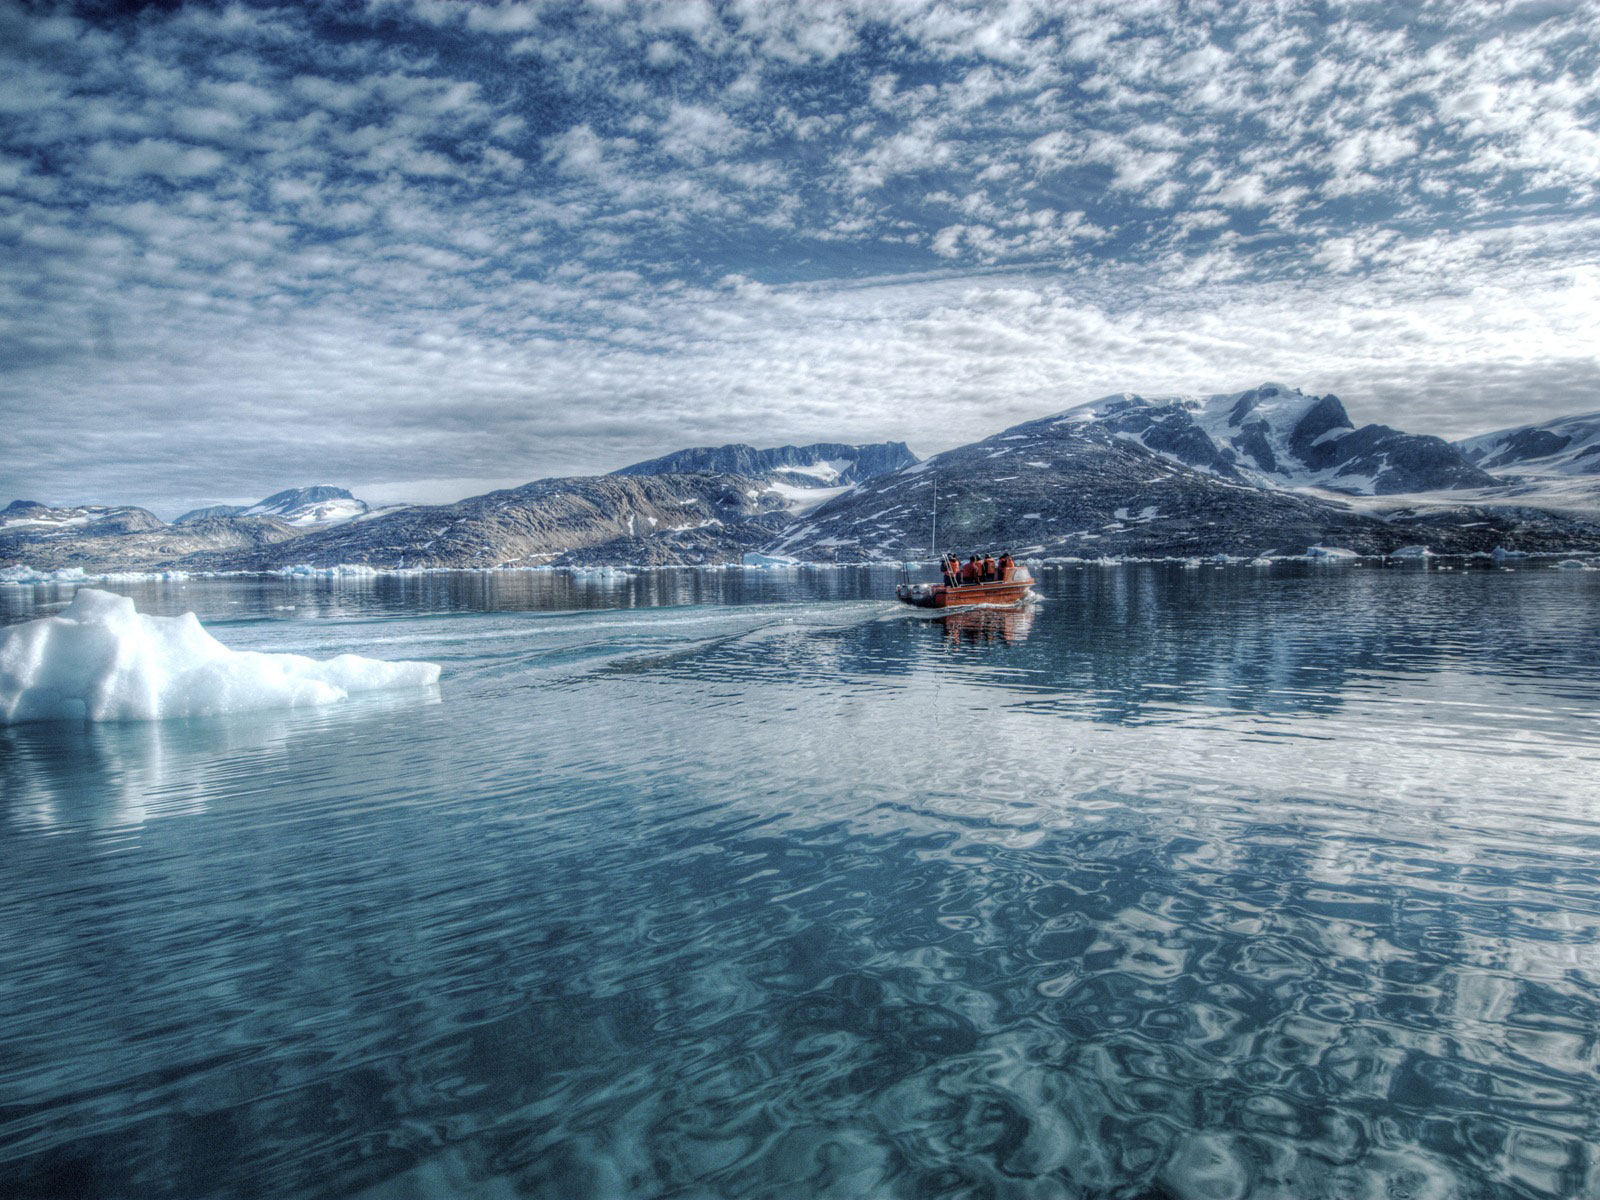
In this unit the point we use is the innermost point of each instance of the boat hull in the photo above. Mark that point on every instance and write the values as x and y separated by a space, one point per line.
945 596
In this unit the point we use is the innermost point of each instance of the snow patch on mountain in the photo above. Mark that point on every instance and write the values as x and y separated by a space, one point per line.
802 500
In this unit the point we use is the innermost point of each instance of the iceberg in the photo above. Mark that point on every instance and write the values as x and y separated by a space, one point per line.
340 571
100 660
22 573
774 561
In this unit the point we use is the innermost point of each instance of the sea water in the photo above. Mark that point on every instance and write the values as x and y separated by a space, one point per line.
1196 884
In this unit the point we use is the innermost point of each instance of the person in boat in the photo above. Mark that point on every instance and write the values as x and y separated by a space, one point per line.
1007 565
989 572
952 569
972 571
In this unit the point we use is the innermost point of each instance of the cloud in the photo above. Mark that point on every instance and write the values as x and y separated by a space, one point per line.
492 233
154 156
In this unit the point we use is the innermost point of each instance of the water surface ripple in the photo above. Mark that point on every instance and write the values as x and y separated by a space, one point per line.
1183 884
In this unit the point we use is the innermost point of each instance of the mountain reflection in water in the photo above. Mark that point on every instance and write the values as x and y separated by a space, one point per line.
1183 884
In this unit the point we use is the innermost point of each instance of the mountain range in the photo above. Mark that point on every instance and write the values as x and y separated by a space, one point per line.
1268 470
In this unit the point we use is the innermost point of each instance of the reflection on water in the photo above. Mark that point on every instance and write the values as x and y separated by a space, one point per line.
1197 884
987 625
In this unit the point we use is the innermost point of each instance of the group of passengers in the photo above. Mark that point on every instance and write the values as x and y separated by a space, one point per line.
987 569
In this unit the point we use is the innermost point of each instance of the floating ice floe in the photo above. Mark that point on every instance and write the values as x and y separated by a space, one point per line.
26 574
1500 554
1331 553
341 571
1572 564
771 561
99 660
1411 552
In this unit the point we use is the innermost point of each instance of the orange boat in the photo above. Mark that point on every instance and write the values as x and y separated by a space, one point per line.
945 595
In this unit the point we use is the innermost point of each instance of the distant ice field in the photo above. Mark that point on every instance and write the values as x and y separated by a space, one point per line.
1217 882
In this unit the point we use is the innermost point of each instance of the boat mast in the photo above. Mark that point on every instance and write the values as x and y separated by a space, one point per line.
933 548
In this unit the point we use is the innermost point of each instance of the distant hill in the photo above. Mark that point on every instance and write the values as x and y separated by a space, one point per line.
822 464
29 520
303 506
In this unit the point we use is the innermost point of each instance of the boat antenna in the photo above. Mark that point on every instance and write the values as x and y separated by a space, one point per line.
933 549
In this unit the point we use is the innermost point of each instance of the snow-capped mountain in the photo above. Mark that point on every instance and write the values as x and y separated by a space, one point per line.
1281 437
1565 446
1127 475
302 507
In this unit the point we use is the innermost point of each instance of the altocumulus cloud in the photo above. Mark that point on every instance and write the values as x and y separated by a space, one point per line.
424 246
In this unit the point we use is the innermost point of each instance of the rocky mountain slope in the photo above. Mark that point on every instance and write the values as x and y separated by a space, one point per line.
651 518
1565 446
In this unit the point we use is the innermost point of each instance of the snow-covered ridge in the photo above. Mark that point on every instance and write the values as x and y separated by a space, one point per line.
100 660
1277 437
1565 446
30 519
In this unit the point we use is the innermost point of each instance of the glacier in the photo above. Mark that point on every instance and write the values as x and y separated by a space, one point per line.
101 660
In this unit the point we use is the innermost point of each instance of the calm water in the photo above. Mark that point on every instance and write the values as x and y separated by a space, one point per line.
1184 884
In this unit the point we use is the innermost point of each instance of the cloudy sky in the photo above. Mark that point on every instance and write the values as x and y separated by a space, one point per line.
421 248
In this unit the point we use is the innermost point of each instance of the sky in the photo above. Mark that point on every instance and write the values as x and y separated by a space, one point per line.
422 248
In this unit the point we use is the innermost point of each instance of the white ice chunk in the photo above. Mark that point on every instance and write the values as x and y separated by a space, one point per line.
99 660
776 561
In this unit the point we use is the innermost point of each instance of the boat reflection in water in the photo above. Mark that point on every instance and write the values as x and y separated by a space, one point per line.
987 625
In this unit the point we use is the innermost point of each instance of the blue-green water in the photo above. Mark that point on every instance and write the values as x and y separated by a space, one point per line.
1184 884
